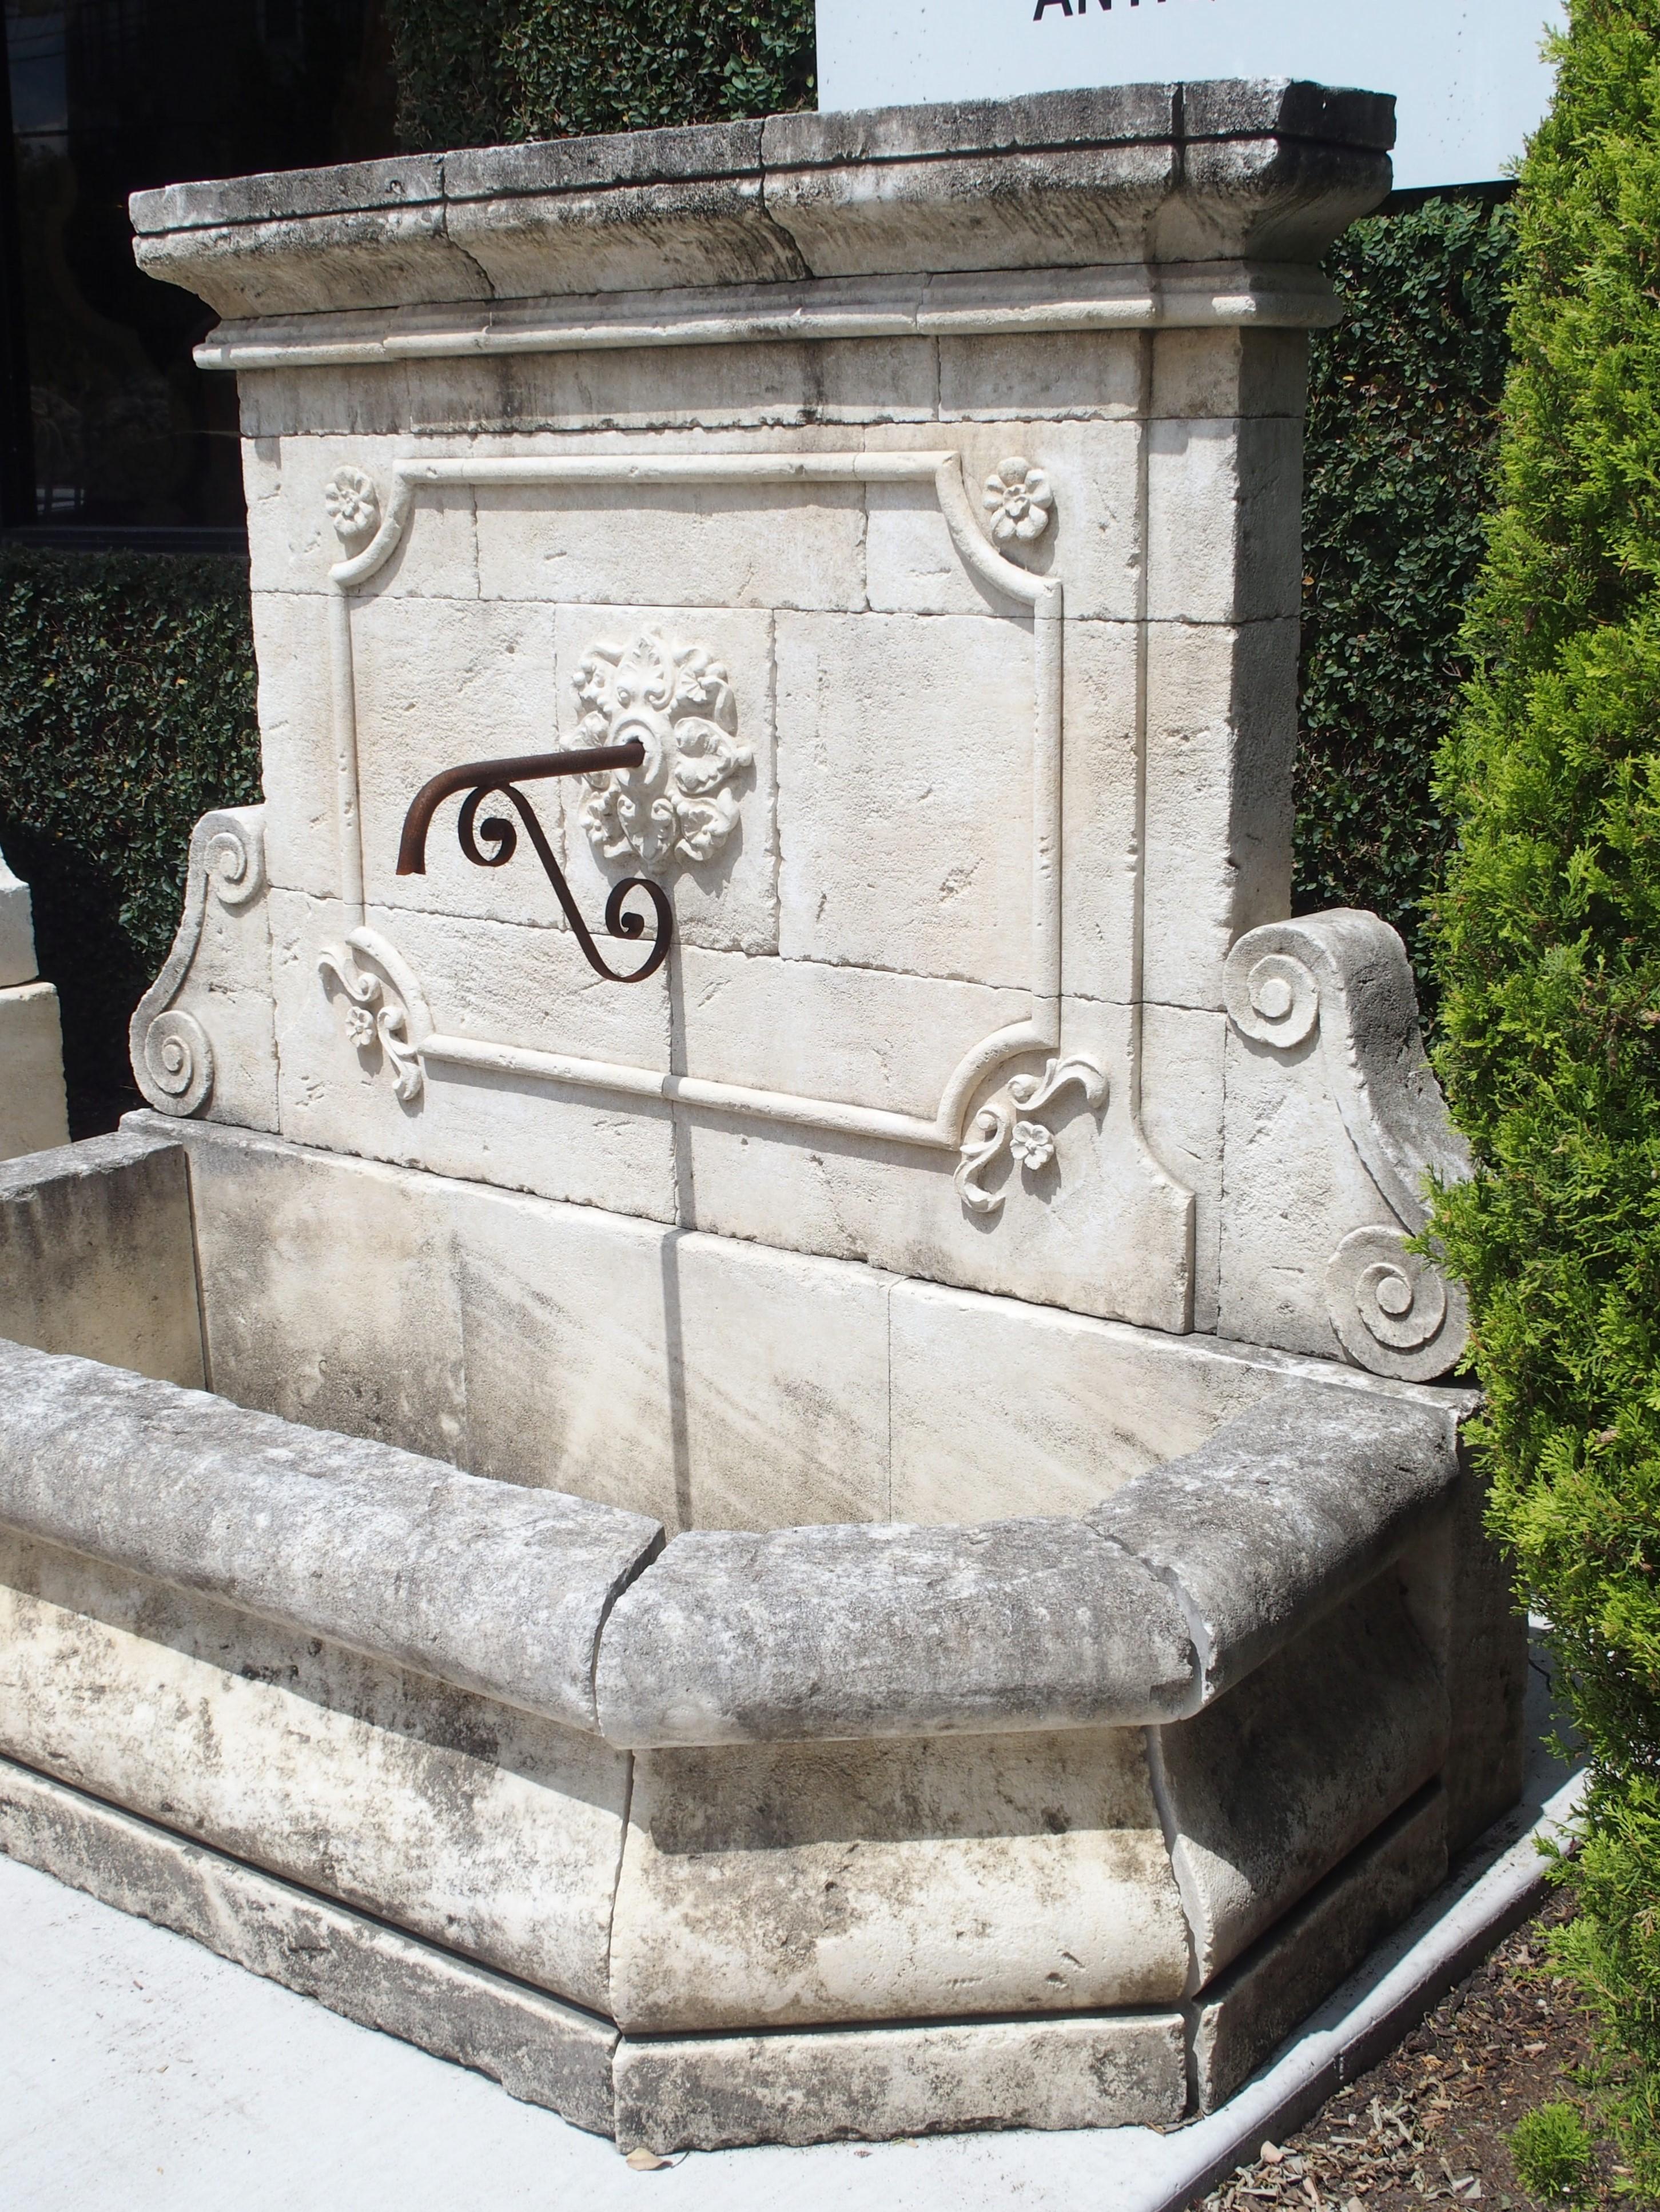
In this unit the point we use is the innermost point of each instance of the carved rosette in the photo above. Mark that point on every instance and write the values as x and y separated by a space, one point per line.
1009 1122
677 700
1342 980
353 506
376 1017
1020 501
171 1051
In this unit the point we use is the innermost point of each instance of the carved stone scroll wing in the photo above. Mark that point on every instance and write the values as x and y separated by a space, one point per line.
171 1053
1345 974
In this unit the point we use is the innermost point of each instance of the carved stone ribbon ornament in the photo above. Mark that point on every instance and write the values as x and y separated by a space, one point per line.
1008 1122
678 700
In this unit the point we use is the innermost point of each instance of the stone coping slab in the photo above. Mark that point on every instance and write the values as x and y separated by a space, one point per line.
483 1585
1161 172
1187 1579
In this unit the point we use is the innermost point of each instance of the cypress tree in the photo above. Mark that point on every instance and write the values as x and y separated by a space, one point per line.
1547 942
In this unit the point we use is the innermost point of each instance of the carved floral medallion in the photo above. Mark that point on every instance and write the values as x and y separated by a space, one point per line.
677 700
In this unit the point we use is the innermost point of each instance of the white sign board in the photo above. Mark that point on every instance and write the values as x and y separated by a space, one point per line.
1467 76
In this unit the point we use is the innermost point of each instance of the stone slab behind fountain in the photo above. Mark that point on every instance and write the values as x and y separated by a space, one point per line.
980 1245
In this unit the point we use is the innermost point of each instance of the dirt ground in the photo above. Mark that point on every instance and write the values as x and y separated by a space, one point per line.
1430 2121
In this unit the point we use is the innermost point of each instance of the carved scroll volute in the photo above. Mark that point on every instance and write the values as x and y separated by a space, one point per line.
1340 983
172 1054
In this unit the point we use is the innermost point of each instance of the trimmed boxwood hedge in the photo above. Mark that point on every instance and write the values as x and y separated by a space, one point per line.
127 711
1548 937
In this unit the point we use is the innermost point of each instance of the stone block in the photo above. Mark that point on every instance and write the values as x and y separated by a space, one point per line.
487 1830
1103 862
1092 542
780 1370
1184 1054
671 546
1229 374
1221 735
1001 1408
97 1255
791 1884
1268 1789
1244 2016
843 1633
864 1036
570 1381
287 1246
296 742
1224 511
708 2093
540 2050
587 392
1089 376
292 541
33 1112
439 682
890 857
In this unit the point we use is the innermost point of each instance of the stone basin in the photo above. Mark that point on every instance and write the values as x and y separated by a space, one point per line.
867 1532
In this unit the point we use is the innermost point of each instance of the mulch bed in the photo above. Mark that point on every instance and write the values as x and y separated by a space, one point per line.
1432 2121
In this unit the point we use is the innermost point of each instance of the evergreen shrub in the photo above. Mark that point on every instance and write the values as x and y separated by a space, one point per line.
1548 938
126 712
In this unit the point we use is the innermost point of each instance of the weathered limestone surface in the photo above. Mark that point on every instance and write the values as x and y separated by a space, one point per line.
541 2051
938 1876
706 2093
32 1110
97 1257
485 1828
1246 2014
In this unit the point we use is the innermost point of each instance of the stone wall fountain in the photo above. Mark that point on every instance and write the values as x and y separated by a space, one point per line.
759 1444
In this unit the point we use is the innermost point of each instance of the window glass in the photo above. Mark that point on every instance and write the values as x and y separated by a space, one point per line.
107 97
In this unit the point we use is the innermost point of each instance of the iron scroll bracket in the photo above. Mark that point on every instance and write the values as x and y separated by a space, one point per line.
482 780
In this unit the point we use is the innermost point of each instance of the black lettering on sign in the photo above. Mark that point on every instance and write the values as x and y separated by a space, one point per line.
1065 6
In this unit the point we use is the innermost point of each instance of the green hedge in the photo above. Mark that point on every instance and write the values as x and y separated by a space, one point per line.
1398 480
489 72
1548 940
127 711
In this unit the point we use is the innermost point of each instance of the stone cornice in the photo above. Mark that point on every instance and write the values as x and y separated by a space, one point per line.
1126 180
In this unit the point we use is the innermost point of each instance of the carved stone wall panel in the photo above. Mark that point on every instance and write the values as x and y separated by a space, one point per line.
1221 739
1183 1063
201 1040
824 1031
905 793
1075 1227
669 545
1224 519
728 899
439 681
296 742
1092 471
292 541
